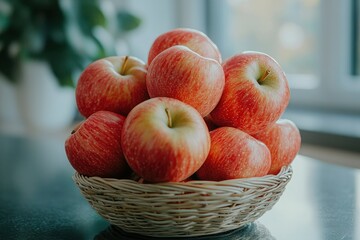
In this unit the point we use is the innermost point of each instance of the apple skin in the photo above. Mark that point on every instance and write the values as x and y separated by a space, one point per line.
234 154
165 140
108 84
193 39
255 95
283 140
94 147
180 73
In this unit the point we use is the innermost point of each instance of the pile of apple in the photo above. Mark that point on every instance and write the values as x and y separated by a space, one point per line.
184 114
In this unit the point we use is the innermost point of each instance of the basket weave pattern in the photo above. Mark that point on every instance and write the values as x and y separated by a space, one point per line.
183 209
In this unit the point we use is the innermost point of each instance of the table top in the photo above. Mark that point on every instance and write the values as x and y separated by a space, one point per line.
39 200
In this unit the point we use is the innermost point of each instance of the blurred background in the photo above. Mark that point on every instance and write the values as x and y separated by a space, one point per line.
45 44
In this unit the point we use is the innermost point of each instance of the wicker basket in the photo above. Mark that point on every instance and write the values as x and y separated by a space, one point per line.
191 208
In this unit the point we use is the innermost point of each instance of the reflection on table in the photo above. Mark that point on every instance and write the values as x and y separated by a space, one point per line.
253 231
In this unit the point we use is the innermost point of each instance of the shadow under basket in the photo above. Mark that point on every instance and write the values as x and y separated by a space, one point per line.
184 209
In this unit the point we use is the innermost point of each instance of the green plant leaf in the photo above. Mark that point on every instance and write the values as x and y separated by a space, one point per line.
4 22
64 62
34 38
68 34
8 65
105 42
9 55
90 15
85 45
86 29
127 21
5 14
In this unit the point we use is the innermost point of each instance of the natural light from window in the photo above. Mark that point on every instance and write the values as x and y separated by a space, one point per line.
285 29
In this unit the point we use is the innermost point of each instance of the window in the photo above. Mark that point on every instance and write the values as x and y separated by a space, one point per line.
316 42
286 30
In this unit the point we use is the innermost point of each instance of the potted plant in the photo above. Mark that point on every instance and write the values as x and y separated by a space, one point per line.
42 40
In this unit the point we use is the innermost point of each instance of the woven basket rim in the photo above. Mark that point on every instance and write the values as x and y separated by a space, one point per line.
285 174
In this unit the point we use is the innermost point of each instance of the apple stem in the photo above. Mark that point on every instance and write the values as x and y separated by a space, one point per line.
123 68
77 126
264 76
169 117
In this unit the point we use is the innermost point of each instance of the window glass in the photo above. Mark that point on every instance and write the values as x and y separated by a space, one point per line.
285 29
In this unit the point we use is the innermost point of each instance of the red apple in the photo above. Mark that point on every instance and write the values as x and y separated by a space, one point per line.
94 147
209 123
165 140
234 154
180 73
283 140
255 95
114 84
193 39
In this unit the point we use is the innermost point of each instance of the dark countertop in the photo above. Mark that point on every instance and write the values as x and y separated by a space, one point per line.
39 200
